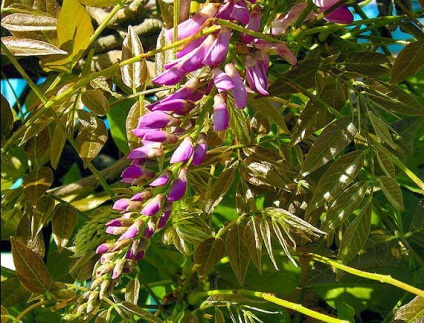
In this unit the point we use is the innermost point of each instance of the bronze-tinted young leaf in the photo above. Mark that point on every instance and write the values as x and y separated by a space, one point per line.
143 314
411 312
30 268
82 268
271 110
167 13
36 183
28 22
266 173
6 117
408 61
63 224
332 91
238 124
356 235
367 63
393 99
237 251
30 47
12 292
392 192
337 177
99 3
38 146
253 241
216 155
333 140
61 291
313 117
90 140
344 205
208 253
96 102
266 238
137 110
132 291
386 164
42 214
276 231
216 193
57 143
163 57
219 316
74 30
136 74
37 126
381 129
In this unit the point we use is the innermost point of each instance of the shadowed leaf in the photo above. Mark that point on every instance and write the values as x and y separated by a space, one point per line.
409 61
208 253
12 292
237 252
140 312
30 268
132 291
96 102
6 117
253 241
392 192
36 183
371 64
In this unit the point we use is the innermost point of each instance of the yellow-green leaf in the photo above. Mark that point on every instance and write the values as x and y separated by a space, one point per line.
30 268
28 22
137 110
99 3
36 183
96 102
63 224
57 144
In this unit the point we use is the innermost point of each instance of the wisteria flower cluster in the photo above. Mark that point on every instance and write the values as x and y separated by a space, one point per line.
170 132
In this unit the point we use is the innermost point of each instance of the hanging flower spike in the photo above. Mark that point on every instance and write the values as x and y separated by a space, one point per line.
280 49
221 116
179 186
154 205
239 90
132 231
199 153
178 106
217 53
340 15
183 152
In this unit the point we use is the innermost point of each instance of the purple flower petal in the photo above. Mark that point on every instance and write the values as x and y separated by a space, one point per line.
164 219
256 74
217 53
142 196
221 80
148 151
183 151
159 136
103 248
132 231
162 179
254 23
239 90
240 12
154 205
340 15
179 186
221 116
199 153
157 119
170 77
177 106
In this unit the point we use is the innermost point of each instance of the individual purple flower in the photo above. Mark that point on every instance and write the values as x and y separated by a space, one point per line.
221 116
280 49
221 80
134 172
178 106
115 230
152 150
157 119
142 196
240 11
165 216
200 149
118 268
126 205
154 205
132 230
217 53
239 90
103 248
183 151
162 179
179 186
253 24
156 135
149 231
191 26
256 73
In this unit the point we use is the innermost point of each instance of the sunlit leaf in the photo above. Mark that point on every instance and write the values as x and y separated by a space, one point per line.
411 312
30 268
167 13
238 124
137 110
134 75
344 205
271 111
392 192
333 140
30 47
408 61
337 177
386 164
237 251
266 238
356 235
140 312
36 183
99 3
57 145
266 173
28 22
96 102
208 253
253 241
132 291
61 291
163 57
38 146
381 129
90 140
63 223
216 193
82 268
42 214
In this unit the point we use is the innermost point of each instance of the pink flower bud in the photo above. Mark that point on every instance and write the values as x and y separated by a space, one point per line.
239 90
103 248
132 231
217 52
164 218
152 150
142 196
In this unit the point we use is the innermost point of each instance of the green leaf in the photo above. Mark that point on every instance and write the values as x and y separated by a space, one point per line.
63 224
91 139
36 184
12 292
82 268
137 110
408 61
208 253
237 251
333 140
371 64
266 238
132 291
332 91
393 99
30 47
61 291
6 117
117 116
134 75
74 30
386 164
28 22
411 312
392 192
344 205
38 146
381 129
216 193
30 268
417 224
253 241
271 110
336 178
143 314
96 102
99 3
312 118
356 235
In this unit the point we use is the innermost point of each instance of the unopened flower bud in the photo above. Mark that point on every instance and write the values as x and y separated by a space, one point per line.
162 179
221 116
178 187
183 151
199 153
154 205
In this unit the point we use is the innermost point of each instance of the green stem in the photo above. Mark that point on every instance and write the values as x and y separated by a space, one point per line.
197 296
29 309
372 276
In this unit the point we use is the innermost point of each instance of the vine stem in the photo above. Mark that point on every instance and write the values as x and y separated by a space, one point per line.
387 279
197 296
29 309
